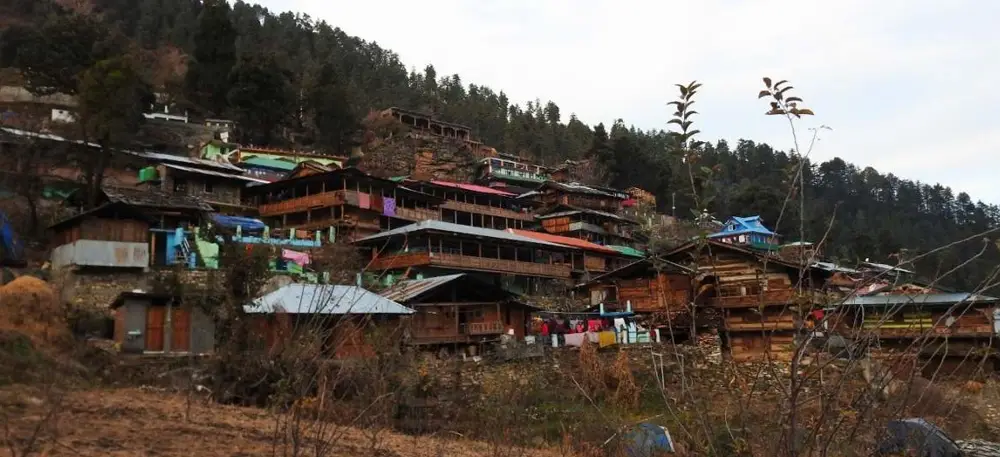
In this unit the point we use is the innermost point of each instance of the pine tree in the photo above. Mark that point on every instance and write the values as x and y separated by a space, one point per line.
214 57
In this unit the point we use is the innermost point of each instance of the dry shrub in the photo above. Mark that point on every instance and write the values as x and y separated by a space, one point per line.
591 370
29 305
973 387
626 390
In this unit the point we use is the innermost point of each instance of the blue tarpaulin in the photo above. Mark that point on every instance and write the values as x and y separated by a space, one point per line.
648 440
11 247
247 224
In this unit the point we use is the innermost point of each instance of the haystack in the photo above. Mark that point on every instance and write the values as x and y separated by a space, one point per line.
29 306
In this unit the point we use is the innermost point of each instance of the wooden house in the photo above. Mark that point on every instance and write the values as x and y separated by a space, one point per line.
649 289
510 174
170 218
955 331
459 309
219 184
551 194
113 235
355 204
433 248
599 227
346 321
152 323
478 206
428 124
755 293
748 232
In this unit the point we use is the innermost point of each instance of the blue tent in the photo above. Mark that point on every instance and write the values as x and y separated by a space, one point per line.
648 440
11 247
246 224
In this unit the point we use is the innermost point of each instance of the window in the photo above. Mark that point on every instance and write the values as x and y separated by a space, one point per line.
180 185
209 187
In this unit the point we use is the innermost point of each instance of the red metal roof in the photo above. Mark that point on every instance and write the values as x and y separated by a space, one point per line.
472 188
565 241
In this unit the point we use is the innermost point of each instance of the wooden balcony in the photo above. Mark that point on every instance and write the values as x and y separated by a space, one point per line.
750 326
770 297
487 210
417 214
299 204
463 262
484 328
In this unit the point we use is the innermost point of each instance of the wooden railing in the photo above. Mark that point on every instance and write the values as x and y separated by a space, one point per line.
487 210
746 326
299 204
417 214
404 260
401 261
501 265
770 297
484 328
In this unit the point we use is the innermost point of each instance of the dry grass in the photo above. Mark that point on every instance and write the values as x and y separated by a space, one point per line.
130 422
29 306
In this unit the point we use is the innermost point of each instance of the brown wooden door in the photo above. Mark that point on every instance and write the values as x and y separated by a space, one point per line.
155 318
180 336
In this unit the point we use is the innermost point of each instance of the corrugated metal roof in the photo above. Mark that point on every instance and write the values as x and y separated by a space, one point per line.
188 160
325 299
472 188
584 210
829 266
404 291
564 240
920 299
276 164
441 226
628 250
215 173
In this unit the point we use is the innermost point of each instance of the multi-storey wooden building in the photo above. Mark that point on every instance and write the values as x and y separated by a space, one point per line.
748 232
757 295
510 174
953 331
586 212
591 260
433 248
353 203
459 308
478 206
218 184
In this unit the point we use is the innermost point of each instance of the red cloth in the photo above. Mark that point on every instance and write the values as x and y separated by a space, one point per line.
545 329
594 325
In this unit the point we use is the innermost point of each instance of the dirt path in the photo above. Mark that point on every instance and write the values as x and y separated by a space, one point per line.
134 422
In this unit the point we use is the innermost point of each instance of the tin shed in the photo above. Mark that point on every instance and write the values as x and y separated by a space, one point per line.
149 323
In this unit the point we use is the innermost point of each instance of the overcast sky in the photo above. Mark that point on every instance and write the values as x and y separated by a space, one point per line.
908 86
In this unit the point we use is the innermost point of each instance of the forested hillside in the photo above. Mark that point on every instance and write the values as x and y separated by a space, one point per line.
291 80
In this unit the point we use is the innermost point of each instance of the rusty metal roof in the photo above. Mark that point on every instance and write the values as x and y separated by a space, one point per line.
472 188
404 291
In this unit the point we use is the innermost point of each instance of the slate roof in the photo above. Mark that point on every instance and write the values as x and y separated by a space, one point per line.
216 173
325 299
153 198
191 161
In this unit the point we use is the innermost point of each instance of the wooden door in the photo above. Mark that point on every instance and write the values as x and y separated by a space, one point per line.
180 330
155 318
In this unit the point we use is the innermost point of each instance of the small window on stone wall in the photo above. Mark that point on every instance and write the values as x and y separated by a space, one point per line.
209 188
180 185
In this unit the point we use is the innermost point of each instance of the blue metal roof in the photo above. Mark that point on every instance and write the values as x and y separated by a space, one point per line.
743 225
325 299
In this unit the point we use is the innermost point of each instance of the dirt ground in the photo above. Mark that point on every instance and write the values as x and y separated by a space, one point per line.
141 422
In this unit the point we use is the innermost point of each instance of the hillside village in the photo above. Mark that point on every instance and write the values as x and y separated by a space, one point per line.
519 249
227 231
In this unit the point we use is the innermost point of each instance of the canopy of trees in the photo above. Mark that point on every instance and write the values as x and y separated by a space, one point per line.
292 79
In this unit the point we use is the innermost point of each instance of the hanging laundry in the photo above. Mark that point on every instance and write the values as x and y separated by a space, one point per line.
376 202
364 200
300 258
620 324
594 325
575 339
606 338
389 206
593 337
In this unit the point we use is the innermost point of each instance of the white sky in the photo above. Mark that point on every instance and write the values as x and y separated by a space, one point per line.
908 86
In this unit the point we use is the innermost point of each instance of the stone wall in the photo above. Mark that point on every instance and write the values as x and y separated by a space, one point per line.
94 289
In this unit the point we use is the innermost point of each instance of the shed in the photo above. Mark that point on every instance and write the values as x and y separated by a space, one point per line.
344 317
154 323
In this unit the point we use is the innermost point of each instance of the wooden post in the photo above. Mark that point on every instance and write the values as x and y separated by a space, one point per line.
480 249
